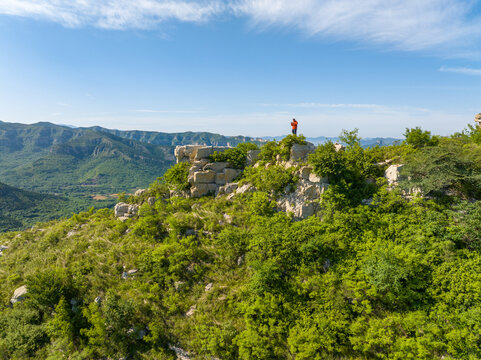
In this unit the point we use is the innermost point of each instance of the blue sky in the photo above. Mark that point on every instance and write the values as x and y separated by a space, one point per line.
242 66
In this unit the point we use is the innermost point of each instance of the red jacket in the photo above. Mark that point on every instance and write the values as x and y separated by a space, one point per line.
294 124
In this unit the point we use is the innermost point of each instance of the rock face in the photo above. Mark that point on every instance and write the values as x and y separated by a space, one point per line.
303 202
19 294
300 152
191 153
206 177
392 174
123 211
252 156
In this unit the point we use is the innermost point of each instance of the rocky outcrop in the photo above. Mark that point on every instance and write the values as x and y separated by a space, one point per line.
304 201
140 192
393 175
301 152
477 118
252 156
124 211
191 153
19 294
206 177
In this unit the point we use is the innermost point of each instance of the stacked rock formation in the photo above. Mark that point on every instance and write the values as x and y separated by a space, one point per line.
124 211
206 177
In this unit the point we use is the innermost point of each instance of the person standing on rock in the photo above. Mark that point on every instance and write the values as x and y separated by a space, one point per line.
294 126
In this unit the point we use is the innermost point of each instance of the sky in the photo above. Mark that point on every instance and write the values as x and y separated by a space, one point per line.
243 67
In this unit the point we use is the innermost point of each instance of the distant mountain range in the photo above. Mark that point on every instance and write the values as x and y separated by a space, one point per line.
85 166
366 142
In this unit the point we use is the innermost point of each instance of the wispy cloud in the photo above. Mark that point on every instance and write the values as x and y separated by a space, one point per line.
400 24
404 24
114 14
461 70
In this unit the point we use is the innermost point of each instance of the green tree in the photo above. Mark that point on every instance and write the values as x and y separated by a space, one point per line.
419 138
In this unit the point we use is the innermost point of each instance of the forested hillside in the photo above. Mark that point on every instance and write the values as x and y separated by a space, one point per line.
20 208
85 166
385 268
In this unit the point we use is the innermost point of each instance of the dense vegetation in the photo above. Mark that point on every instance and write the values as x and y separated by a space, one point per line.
395 277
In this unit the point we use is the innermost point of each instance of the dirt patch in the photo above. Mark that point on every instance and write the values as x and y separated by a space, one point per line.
99 197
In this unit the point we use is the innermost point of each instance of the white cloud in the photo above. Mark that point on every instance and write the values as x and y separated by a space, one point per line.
404 24
461 70
112 14
400 24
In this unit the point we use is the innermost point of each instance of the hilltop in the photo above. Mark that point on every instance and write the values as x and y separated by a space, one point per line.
384 265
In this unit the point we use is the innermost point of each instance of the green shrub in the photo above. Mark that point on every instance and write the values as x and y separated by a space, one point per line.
275 179
177 176
236 157
451 168
270 150
419 138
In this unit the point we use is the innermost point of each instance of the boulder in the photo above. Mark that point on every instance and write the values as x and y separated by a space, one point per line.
203 152
300 152
231 174
19 294
252 156
227 189
212 188
247 188
204 177
393 175
309 192
191 311
199 190
220 179
477 118
338 147
133 209
151 201
299 209
140 192
315 178
216 167
180 353
304 172
127 274
185 152
121 209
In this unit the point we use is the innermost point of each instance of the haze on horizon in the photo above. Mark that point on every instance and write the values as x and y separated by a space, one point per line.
242 67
